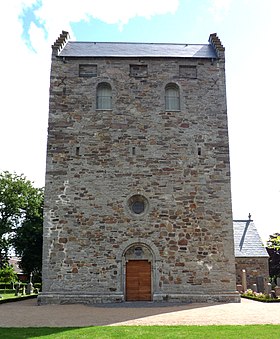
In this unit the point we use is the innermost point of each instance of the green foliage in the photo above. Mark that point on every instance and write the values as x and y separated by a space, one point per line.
255 295
38 286
7 291
8 274
274 241
131 332
19 202
4 286
273 249
250 294
28 241
262 299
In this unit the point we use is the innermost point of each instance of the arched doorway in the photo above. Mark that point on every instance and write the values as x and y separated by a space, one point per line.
138 273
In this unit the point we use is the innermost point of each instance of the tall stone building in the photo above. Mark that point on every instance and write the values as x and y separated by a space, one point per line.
137 200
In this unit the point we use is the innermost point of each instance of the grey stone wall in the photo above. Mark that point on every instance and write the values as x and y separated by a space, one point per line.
255 267
177 160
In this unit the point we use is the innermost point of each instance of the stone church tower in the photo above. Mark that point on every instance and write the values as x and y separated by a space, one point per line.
137 200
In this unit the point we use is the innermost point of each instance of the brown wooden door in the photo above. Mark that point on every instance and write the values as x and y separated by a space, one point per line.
138 280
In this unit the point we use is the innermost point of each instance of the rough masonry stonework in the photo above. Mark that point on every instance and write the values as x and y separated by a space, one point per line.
255 267
137 196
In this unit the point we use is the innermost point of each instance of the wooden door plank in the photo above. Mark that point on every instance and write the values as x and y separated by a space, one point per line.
138 280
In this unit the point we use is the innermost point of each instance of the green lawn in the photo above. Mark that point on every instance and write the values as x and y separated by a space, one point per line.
131 332
12 297
8 296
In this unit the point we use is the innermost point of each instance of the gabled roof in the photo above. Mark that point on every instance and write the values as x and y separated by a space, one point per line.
125 49
62 47
247 241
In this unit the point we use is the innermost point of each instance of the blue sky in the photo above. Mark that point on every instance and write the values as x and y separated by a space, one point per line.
249 30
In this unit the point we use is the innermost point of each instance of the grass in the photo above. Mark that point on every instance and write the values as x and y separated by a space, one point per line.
131 332
6 297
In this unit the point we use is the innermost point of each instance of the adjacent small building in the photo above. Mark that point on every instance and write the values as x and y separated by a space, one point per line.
250 253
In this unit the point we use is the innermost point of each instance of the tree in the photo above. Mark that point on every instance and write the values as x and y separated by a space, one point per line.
8 274
274 241
273 248
19 201
28 242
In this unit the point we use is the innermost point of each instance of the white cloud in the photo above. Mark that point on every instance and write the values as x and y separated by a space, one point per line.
58 15
219 8
25 72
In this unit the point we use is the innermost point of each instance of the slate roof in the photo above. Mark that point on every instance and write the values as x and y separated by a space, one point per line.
247 241
124 49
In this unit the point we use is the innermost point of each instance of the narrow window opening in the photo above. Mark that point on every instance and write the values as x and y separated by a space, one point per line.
77 150
199 151
104 96
133 150
172 97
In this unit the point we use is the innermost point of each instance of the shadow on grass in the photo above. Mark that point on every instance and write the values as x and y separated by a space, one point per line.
33 332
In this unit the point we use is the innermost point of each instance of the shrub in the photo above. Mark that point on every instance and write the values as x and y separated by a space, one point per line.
4 286
249 293
258 296
6 291
8 274
38 286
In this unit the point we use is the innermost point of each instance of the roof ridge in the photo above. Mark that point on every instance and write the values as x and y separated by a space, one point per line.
136 43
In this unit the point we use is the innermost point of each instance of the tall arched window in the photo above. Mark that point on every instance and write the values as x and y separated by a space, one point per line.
104 96
172 97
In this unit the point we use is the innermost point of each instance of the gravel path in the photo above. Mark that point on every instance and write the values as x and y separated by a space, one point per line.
26 314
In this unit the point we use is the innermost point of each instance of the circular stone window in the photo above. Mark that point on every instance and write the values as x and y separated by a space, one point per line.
137 204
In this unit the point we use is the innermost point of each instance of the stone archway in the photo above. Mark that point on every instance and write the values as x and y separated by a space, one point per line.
138 273
139 261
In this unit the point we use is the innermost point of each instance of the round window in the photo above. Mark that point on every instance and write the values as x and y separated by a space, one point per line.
137 204
138 207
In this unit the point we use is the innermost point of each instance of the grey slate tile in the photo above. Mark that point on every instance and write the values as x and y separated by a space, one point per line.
123 49
247 241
